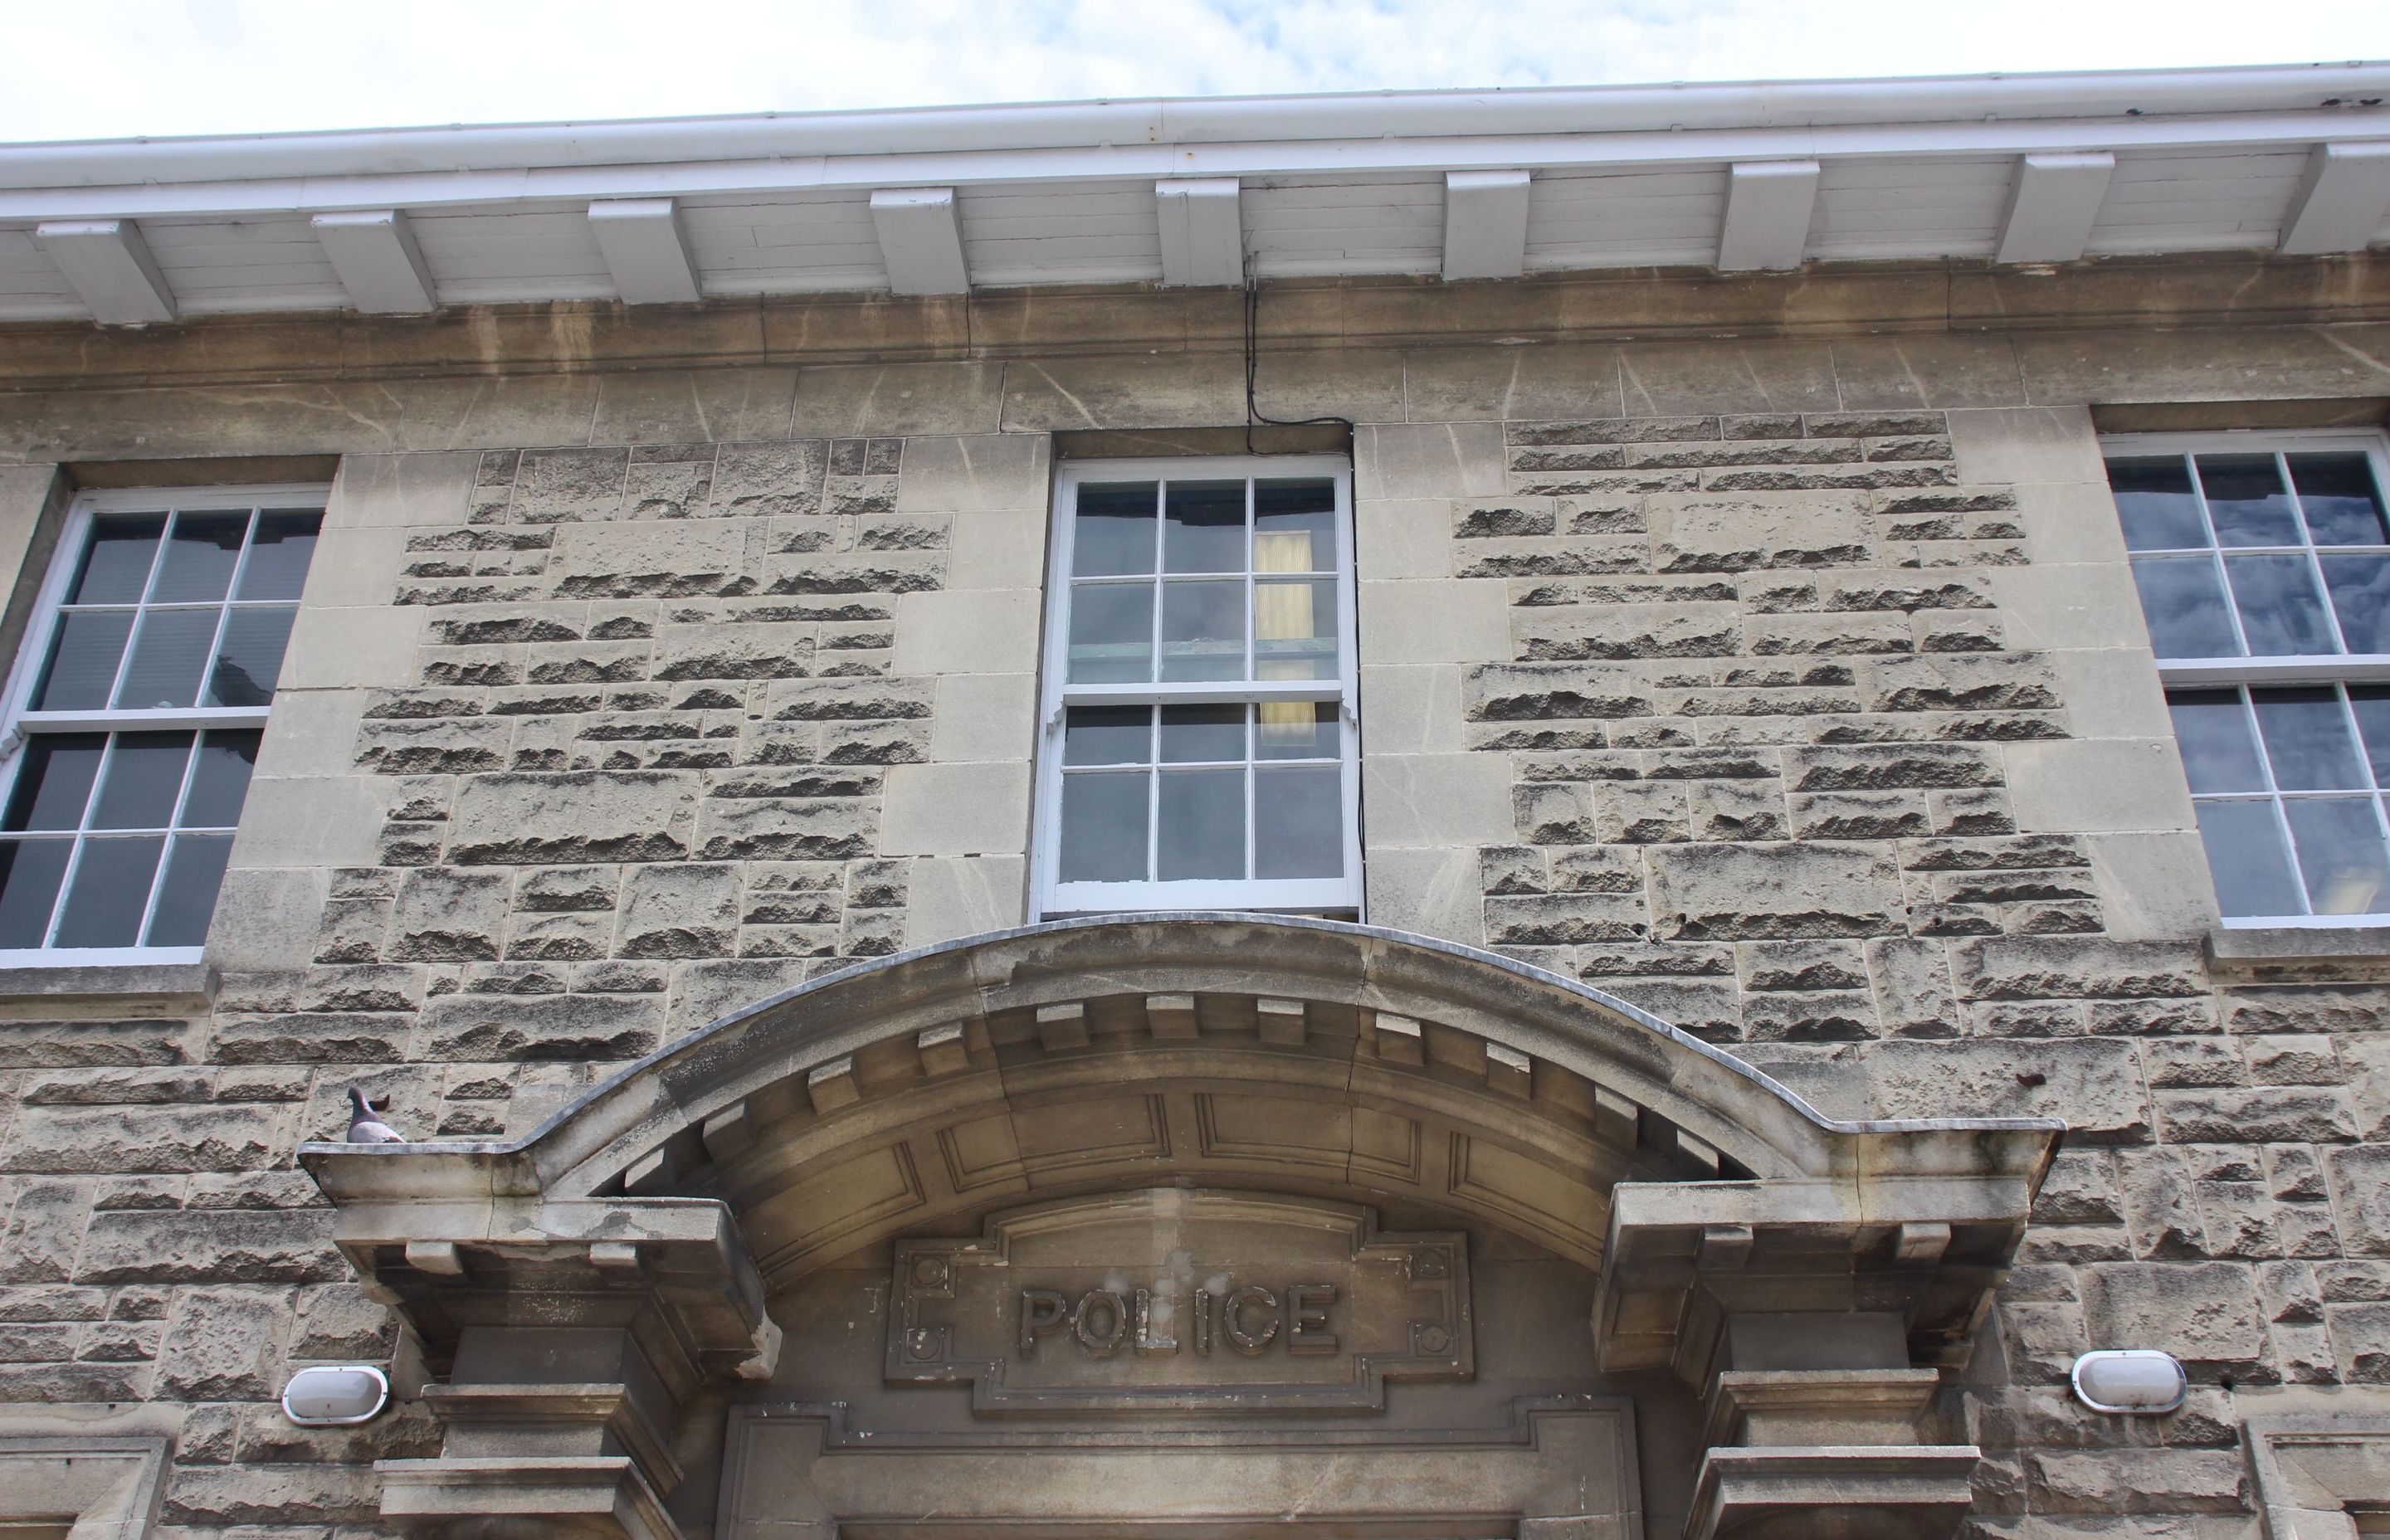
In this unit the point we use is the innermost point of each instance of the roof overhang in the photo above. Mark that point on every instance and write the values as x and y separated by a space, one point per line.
2035 170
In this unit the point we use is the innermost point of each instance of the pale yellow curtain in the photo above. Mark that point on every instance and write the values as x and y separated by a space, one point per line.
1283 612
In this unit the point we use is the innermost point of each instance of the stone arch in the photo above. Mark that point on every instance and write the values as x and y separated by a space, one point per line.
660 1210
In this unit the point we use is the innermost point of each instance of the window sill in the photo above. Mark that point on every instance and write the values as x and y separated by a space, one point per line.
166 984
2363 945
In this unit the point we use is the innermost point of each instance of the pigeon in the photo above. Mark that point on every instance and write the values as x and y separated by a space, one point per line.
366 1125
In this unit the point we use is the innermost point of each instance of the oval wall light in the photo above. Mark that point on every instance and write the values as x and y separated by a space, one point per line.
2134 1381
335 1396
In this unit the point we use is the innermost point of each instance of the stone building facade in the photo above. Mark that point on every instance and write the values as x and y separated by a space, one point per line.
1750 677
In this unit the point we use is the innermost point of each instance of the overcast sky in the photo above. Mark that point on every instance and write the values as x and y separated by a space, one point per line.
107 68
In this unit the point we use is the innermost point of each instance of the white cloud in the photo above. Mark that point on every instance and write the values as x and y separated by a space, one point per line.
119 68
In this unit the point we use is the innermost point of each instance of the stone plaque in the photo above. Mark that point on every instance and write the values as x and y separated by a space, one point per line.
1170 1300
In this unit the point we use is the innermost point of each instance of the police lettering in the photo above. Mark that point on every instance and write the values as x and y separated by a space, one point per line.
1251 1319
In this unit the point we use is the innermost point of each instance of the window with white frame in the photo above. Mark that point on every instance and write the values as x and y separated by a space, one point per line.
2263 562
1199 742
134 713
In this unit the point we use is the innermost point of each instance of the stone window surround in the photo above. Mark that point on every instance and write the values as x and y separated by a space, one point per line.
2267 940
168 977
110 1487
1045 840
2320 1499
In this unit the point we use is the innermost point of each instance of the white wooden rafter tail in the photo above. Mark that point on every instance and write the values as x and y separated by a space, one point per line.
1202 232
920 240
1484 224
646 249
2052 205
379 265
110 266
2343 198
1768 205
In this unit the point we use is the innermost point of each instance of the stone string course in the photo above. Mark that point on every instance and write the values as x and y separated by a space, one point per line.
1764 721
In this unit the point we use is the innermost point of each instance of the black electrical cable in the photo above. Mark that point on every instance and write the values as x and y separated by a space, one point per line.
1254 413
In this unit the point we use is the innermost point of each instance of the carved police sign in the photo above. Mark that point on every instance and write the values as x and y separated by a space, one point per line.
1171 1300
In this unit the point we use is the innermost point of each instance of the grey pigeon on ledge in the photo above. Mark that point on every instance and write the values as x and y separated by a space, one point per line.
366 1125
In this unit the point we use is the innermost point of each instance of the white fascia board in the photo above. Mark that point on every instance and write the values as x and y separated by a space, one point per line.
1202 232
1484 224
920 240
2341 200
378 262
109 266
646 249
1767 208
2051 205
562 186
1355 117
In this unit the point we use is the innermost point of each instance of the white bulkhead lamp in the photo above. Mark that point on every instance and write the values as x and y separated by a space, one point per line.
335 1395
2130 1382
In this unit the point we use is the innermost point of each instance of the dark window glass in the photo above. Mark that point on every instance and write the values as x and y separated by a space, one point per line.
110 891
220 779
2308 740
1111 633
2247 859
200 556
1294 526
187 899
280 554
249 659
2246 500
1114 530
82 669
2184 605
1104 827
1298 822
2281 612
143 781
2218 739
116 564
54 782
1204 527
1201 834
29 870
1193 735
2155 502
2343 505
170 656
1108 734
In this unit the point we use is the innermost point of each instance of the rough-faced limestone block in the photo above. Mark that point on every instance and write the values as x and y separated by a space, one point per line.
1764 892
679 911
2204 1312
1729 532
224 1344
580 815
2094 1084
668 559
445 914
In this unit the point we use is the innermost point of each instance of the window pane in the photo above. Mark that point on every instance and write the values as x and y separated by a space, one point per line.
2219 745
1111 633
1194 734
55 780
1204 528
82 661
2344 506
170 653
2246 859
278 554
110 891
1294 629
1108 734
116 564
200 555
1296 729
220 780
1202 830
2184 604
1103 827
2280 613
1204 630
1297 823
142 779
29 870
187 899
2247 501
2360 596
2308 740
248 659
2155 503
1113 532
2371 703
1294 526
2339 842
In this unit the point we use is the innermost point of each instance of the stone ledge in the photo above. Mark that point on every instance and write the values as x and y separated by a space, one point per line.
192 983
2305 948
